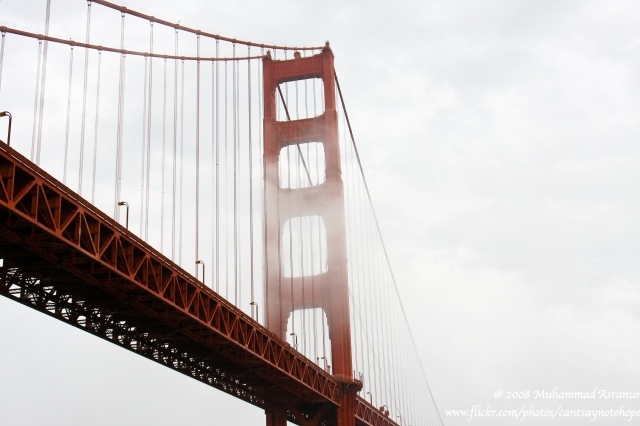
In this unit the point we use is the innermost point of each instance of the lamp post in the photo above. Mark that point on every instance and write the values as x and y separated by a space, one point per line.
124 203
8 114
370 398
257 315
200 262
295 340
327 367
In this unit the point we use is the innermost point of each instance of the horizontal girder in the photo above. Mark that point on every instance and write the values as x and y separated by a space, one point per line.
64 257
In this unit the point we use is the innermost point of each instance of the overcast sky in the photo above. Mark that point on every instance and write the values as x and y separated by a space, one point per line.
500 139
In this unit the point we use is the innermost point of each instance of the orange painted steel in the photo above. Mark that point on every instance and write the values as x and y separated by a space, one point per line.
126 10
284 295
4 29
67 259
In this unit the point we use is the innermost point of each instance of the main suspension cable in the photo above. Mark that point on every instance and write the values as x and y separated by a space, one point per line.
124 9
42 37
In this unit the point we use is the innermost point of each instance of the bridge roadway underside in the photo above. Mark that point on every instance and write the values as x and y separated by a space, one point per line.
63 257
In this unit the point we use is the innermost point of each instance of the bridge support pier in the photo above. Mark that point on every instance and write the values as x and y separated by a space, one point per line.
276 416
346 411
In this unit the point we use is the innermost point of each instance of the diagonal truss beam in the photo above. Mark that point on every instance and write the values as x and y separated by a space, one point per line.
64 257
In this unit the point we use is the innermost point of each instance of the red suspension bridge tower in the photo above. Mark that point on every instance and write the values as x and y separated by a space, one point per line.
330 289
64 256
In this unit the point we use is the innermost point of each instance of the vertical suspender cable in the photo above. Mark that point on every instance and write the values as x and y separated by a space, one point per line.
380 374
349 243
181 160
144 145
237 190
235 182
394 358
149 121
118 183
164 140
387 356
95 136
164 144
217 122
364 263
84 100
372 317
250 186
404 315
385 314
2 56
290 222
44 77
66 137
354 241
175 145
197 152
226 181
261 162
35 102
213 173
147 167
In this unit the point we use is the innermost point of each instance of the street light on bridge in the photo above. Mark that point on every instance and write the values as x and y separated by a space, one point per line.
8 114
200 262
257 315
124 203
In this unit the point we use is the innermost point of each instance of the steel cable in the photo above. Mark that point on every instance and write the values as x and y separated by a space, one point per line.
175 148
121 95
144 146
148 150
35 102
2 56
84 102
404 316
95 136
197 235
44 78
66 137
164 139
251 265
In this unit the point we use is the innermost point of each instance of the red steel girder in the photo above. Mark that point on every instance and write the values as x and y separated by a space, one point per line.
65 258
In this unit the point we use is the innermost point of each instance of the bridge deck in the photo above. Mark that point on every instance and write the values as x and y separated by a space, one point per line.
64 257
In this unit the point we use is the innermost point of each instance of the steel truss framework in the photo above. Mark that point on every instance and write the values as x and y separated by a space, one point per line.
63 257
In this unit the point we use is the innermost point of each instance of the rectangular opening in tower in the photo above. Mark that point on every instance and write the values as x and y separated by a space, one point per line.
302 165
308 333
300 99
303 250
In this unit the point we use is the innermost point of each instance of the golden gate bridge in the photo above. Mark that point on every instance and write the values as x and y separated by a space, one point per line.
200 201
